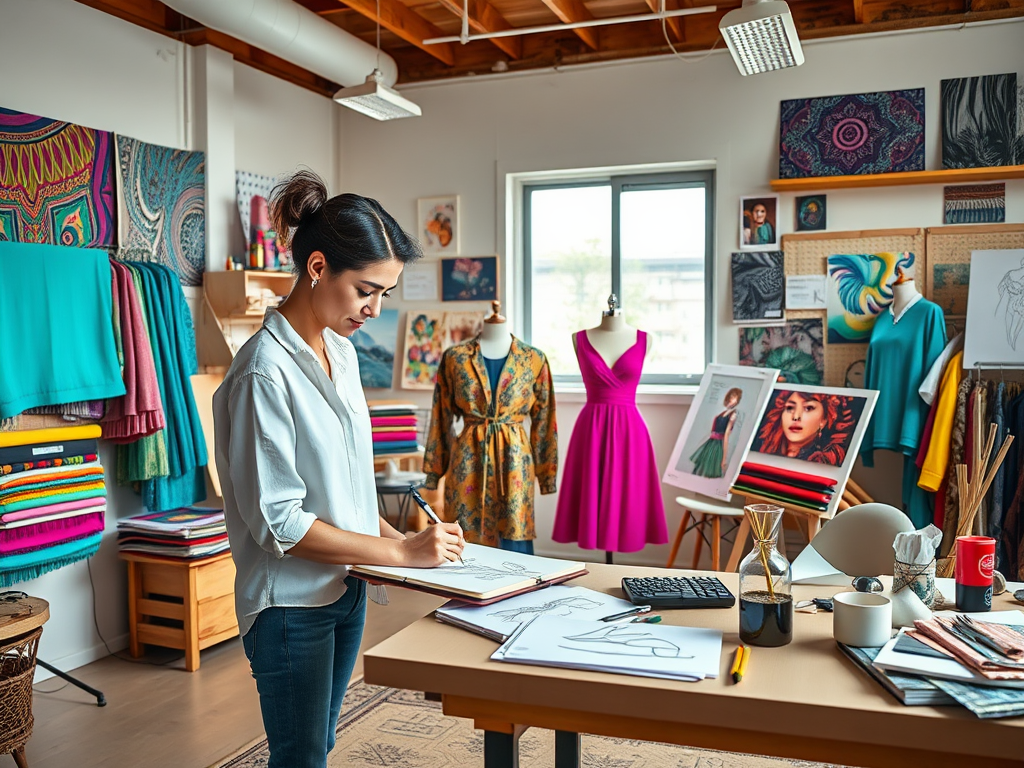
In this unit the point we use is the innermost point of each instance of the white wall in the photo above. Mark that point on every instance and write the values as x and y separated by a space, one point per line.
476 131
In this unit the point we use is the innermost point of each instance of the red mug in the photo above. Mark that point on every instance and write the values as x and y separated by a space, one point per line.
975 562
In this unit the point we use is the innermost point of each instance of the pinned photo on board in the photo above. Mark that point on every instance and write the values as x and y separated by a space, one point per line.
759 229
438 219
469 279
810 213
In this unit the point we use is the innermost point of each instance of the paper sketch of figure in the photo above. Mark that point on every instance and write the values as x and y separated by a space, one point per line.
563 607
1011 288
475 569
624 641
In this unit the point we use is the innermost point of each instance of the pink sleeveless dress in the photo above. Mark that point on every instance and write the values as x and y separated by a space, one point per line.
610 494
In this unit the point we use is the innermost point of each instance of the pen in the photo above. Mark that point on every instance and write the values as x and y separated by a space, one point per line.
646 620
426 508
743 665
626 614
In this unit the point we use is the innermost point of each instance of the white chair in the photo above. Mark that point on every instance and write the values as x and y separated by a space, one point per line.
711 513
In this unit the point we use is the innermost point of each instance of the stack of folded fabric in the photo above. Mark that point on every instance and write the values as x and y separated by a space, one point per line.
394 428
796 489
52 500
182 534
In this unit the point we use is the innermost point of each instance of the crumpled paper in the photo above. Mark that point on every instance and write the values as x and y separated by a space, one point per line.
917 547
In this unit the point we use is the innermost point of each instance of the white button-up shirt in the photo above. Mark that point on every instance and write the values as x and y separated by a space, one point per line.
292 447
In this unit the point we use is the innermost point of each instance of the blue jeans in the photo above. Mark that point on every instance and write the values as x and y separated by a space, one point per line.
302 659
522 547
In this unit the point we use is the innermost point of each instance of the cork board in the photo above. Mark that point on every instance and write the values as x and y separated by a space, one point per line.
949 260
807 254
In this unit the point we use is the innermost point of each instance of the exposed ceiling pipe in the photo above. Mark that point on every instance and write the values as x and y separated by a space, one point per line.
286 29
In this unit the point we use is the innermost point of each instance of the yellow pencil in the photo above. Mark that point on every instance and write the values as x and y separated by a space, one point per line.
743 665
736 662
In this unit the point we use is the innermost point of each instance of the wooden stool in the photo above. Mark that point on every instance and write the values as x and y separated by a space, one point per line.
194 600
21 624
707 509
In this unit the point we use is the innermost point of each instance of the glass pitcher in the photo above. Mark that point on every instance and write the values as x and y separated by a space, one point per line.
766 582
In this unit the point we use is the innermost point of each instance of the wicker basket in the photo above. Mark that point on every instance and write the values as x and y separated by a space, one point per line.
17 668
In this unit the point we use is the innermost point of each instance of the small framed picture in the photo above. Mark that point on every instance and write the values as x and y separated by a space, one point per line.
810 213
469 279
438 222
759 229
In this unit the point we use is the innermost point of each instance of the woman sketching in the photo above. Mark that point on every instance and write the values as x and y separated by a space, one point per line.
295 456
711 459
809 426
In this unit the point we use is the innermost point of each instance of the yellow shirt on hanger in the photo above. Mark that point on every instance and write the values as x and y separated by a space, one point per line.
936 462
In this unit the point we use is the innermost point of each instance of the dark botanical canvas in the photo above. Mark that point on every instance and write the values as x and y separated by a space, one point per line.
849 135
795 348
980 126
758 283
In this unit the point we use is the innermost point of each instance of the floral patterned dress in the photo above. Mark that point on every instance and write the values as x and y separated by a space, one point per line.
490 466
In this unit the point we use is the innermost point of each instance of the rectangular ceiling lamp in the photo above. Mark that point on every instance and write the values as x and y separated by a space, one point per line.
762 37
376 100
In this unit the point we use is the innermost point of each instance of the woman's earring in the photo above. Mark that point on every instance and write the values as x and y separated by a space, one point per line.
315 281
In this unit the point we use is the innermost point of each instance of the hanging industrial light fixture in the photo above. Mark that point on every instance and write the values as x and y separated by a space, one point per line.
762 37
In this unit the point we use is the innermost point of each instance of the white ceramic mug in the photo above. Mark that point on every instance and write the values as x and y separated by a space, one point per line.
861 619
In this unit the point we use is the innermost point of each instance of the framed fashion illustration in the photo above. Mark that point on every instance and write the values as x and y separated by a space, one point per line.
718 428
816 430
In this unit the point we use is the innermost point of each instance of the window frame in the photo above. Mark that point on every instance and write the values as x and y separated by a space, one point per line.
627 182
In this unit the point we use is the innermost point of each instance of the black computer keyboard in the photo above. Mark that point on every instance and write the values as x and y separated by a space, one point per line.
678 592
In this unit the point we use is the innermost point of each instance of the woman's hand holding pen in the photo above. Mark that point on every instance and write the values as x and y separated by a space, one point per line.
433 546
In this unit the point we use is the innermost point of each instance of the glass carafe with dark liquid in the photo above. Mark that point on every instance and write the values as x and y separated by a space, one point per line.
766 582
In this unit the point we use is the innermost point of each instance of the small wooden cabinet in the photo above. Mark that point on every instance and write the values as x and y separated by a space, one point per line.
187 604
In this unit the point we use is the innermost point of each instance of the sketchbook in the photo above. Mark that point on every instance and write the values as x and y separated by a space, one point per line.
485 574
646 650
499 621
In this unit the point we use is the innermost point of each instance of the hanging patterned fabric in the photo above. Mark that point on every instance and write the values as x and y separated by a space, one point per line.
56 182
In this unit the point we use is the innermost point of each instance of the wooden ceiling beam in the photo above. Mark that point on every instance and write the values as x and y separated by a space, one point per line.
858 11
675 23
407 24
483 18
572 11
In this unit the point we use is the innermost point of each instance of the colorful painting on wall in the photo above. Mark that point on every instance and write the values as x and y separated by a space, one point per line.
758 287
462 326
975 204
162 207
859 290
469 279
375 346
855 134
759 229
810 213
980 124
438 219
796 349
56 182
424 344
247 186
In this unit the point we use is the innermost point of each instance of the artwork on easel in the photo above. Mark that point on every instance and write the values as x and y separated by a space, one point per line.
995 309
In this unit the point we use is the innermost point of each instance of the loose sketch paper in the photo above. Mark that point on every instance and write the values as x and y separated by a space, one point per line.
499 620
623 648
419 281
807 292
995 309
485 572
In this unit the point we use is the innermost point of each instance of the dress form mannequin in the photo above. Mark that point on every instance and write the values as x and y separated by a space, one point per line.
495 338
904 291
612 338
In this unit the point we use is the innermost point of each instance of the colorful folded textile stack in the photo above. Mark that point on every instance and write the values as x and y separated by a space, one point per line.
394 428
182 534
53 498
796 489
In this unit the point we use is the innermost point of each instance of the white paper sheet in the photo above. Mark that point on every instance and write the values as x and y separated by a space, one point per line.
806 292
500 620
419 281
811 568
650 650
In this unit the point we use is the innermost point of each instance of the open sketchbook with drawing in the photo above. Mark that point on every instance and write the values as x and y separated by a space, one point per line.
500 620
647 650
485 574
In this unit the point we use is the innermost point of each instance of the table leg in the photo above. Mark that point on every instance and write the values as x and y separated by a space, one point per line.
568 752
134 595
501 750
19 757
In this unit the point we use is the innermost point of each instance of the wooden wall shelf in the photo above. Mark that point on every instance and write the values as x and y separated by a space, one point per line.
949 176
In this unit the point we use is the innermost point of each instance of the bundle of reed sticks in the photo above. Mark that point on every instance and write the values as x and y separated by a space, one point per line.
974 484
761 523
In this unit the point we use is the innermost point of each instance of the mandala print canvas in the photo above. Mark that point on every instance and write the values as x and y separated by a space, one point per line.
56 182
162 201
980 127
850 135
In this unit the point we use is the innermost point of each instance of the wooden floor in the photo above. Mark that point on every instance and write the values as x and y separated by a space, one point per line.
163 716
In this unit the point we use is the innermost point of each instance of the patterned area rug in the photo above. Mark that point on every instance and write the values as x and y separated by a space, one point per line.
390 727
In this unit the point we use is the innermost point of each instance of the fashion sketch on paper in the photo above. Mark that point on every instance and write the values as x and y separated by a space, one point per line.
1011 288
712 457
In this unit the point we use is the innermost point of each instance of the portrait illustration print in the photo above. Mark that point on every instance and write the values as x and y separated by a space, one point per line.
759 229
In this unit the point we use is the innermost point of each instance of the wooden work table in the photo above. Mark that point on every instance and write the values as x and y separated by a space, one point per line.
803 701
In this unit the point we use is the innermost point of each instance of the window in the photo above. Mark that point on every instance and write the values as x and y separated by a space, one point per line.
647 239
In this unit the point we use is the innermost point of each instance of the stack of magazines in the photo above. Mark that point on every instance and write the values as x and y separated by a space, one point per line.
182 534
